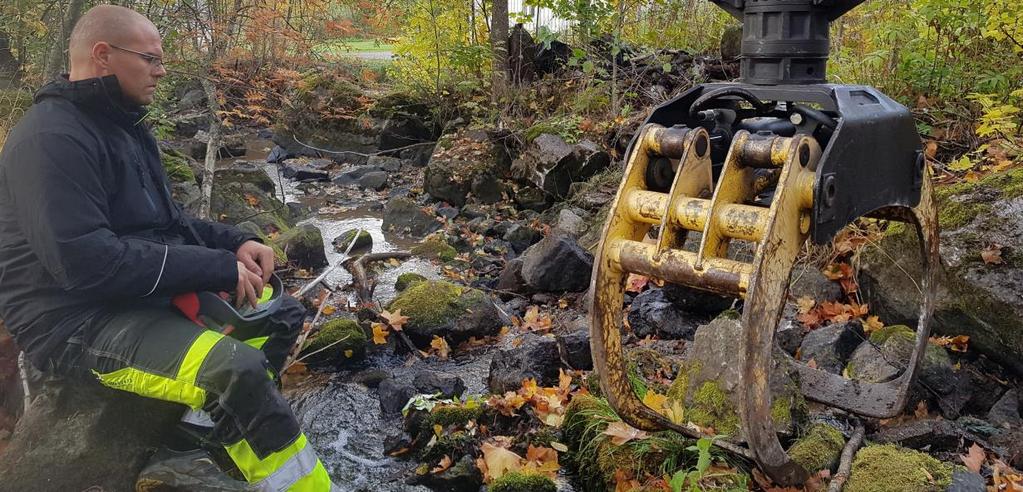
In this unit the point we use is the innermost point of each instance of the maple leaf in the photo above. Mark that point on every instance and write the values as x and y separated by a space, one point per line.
624 481
380 333
992 255
440 347
444 464
636 283
395 320
534 321
251 200
542 460
496 461
805 304
622 433
507 404
529 388
872 324
974 458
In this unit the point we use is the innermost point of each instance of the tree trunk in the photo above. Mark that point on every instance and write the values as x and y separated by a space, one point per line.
9 67
212 148
499 47
55 62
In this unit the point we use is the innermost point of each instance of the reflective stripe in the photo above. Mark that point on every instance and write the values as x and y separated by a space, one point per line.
256 343
295 468
166 250
180 389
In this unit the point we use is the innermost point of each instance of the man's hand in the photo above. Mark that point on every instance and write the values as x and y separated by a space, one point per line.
258 258
250 286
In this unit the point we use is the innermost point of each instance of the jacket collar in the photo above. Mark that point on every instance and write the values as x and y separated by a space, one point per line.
100 94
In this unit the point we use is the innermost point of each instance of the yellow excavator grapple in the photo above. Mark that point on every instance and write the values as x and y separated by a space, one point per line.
768 163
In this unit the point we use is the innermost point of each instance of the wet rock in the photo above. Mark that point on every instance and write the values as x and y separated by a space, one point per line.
435 248
898 469
187 124
230 146
443 309
653 314
303 246
521 237
511 278
339 341
447 212
82 436
1006 412
894 345
432 382
299 171
975 298
831 346
557 264
407 280
463 476
966 481
403 130
570 223
574 347
375 180
790 335
351 177
385 163
403 216
472 212
394 394
364 242
370 378
537 358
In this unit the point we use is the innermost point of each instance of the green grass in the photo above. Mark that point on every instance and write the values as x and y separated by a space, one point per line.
352 46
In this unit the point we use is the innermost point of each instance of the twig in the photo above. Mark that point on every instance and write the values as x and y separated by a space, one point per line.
845 464
23 373
323 275
360 154
297 348
321 349
364 285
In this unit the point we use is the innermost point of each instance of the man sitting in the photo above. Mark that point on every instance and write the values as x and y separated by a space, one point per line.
93 248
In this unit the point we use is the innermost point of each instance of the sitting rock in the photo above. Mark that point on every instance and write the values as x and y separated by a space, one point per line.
461 159
511 279
303 246
442 309
652 313
435 248
82 436
339 341
363 243
537 358
406 280
385 163
375 180
809 282
1006 412
403 216
394 393
829 347
557 264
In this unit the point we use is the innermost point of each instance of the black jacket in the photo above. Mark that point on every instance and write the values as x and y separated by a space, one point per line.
87 220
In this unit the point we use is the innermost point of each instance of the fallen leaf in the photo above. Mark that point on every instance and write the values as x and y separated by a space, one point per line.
622 433
440 347
329 310
932 149
394 320
812 364
534 321
380 333
542 460
921 411
561 448
636 283
496 461
805 304
992 255
974 458
444 464
872 324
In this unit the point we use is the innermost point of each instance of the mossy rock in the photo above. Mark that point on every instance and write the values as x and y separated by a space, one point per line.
454 445
435 248
889 468
819 448
458 414
177 166
439 308
407 280
341 341
362 243
303 246
523 482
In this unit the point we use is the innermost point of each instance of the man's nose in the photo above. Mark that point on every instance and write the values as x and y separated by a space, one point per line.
161 70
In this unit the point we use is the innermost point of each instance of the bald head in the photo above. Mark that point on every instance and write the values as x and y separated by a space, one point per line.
113 40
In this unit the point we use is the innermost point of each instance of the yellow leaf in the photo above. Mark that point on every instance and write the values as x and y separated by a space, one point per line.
962 164
872 324
440 347
438 429
805 304
655 400
349 353
496 461
329 310
395 319
380 333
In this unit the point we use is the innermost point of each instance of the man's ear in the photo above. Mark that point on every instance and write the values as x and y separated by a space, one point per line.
101 56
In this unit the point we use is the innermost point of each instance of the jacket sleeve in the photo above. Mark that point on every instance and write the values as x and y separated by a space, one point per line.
56 185
217 235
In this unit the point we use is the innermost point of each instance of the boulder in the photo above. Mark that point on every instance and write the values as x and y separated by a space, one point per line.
189 123
463 476
530 198
303 245
435 248
487 189
557 264
976 298
830 346
338 342
442 309
82 436
520 236
407 280
652 313
419 155
385 163
888 351
537 357
375 180
363 243
808 281
403 216
571 223
303 172
433 382
1006 412
193 99
511 279
574 347
352 176
402 130
553 165
394 394
898 469
459 161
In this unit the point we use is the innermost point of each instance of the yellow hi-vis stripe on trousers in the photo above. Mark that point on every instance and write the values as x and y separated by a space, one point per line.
294 468
180 389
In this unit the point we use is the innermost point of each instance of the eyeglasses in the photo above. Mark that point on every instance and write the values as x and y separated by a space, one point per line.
153 60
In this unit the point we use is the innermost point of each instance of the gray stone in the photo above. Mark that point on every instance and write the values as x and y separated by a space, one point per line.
351 177
343 241
966 481
303 246
790 335
394 394
653 314
486 188
574 347
537 357
376 180
403 130
933 434
867 363
511 279
570 223
520 237
530 198
830 346
302 172
809 282
386 163
557 264
403 216
193 99
1006 412
432 382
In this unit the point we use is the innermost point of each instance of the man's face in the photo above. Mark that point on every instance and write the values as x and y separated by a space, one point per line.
136 74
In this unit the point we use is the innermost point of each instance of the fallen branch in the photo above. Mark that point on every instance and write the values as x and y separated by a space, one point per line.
360 154
845 464
23 373
344 257
364 284
306 330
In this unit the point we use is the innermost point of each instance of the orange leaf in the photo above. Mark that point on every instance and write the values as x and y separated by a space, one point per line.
496 461
974 458
992 255
380 333
444 464
440 347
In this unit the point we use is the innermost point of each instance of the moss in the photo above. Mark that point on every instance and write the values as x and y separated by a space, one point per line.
593 384
364 241
435 248
711 408
680 387
890 468
453 445
785 409
819 449
176 166
955 214
435 303
730 314
407 280
446 415
352 344
523 482
882 335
